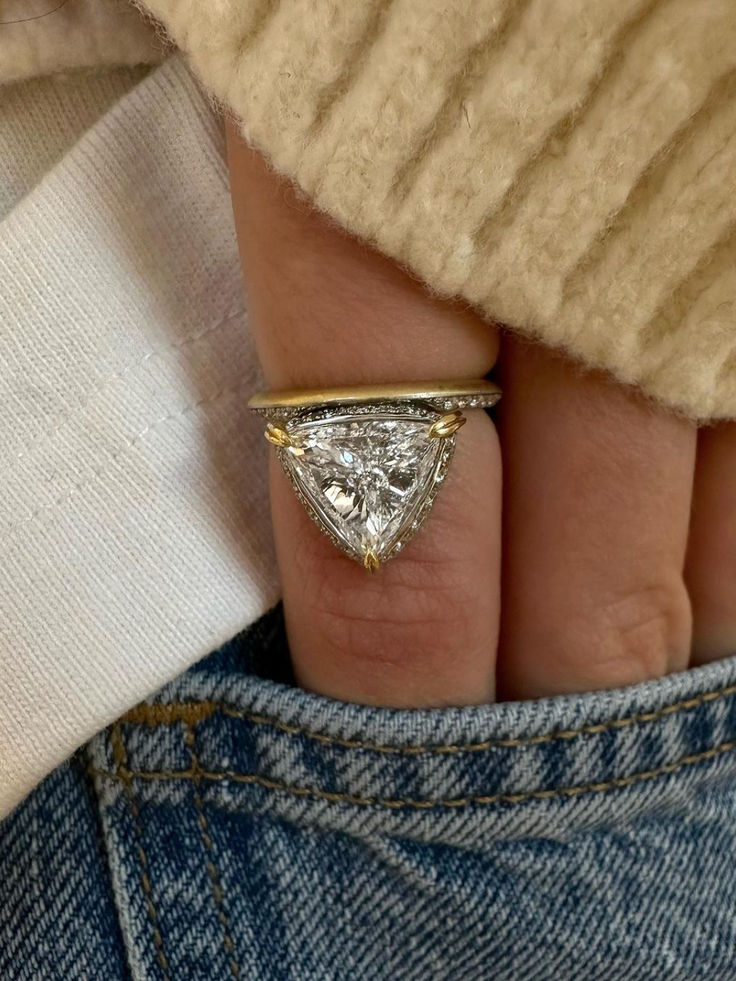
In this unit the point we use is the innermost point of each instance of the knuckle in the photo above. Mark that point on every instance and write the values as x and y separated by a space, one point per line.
647 630
394 619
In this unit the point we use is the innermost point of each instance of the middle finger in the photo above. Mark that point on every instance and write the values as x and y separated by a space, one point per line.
597 493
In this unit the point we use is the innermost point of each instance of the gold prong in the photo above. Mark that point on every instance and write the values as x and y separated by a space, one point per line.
277 435
447 424
370 560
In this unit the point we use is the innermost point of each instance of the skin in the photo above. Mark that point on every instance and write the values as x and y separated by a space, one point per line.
560 554
710 571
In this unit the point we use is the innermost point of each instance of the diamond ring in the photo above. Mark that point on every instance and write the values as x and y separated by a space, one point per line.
367 462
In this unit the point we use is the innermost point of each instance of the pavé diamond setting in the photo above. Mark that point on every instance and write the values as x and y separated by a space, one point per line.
367 462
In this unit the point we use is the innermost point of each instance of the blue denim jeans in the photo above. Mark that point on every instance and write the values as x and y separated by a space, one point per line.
234 826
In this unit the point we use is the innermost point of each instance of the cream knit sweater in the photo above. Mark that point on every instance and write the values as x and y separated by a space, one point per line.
568 167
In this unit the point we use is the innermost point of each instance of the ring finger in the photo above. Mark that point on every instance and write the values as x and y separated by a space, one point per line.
328 311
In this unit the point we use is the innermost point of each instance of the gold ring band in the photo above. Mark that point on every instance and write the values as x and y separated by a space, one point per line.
476 393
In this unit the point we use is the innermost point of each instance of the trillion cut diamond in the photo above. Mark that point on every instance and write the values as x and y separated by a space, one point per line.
370 478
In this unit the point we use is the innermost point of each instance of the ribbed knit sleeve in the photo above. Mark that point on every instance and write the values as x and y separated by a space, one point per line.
568 167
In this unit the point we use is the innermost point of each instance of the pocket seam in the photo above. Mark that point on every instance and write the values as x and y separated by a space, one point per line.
164 714
213 874
120 755
616 783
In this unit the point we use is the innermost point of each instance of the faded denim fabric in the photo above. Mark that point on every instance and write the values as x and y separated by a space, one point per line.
253 830
57 910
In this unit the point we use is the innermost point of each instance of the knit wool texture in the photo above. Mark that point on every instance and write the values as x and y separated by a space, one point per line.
568 168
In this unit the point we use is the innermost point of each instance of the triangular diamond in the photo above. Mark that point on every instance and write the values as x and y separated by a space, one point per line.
368 477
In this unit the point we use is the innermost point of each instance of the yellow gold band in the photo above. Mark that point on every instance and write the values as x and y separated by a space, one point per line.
475 393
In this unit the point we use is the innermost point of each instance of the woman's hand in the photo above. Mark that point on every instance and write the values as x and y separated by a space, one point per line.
575 581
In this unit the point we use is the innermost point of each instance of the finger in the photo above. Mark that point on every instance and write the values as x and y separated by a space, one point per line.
597 490
328 311
710 569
